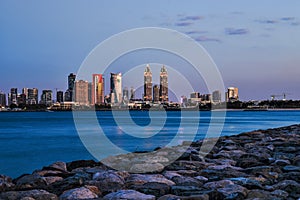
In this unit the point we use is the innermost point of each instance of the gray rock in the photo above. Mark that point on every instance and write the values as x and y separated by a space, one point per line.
259 194
186 190
107 181
152 188
128 194
233 191
140 179
58 166
169 197
78 193
291 168
289 186
32 181
218 184
147 167
280 193
35 194
5 183
249 183
187 181
282 162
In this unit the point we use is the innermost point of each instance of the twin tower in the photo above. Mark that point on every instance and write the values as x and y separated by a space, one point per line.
160 93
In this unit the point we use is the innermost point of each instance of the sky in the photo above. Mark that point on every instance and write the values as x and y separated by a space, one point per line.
255 44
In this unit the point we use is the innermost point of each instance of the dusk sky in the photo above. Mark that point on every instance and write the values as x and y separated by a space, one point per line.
255 44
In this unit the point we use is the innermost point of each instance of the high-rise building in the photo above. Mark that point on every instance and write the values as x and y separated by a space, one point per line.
59 96
147 84
216 96
12 96
98 89
2 99
25 92
232 94
21 99
115 88
90 88
81 92
69 96
46 97
33 96
156 93
132 93
125 95
163 89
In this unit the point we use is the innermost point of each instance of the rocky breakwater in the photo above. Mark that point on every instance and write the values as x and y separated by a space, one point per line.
263 164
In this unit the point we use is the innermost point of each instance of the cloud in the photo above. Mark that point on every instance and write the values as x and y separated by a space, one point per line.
236 13
192 18
236 31
183 24
267 21
193 32
287 18
295 23
206 39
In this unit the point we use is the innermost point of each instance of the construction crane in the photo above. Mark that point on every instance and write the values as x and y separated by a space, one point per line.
273 96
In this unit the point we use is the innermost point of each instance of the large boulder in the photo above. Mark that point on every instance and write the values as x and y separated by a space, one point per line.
5 183
78 193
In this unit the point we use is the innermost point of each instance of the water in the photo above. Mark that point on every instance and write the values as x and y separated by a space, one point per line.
30 140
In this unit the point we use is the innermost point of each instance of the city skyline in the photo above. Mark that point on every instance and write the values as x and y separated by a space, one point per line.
255 47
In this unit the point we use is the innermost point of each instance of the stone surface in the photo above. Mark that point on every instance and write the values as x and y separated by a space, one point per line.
128 194
78 193
34 194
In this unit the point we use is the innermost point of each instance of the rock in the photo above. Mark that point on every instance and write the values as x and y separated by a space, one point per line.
259 194
169 197
296 161
289 186
128 194
280 194
187 181
78 193
186 190
107 181
81 163
218 184
57 166
291 168
34 194
32 181
71 182
140 179
53 179
147 167
282 162
249 183
171 174
152 188
201 178
233 191
5 183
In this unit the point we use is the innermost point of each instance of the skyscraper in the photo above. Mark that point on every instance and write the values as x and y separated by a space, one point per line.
163 89
115 88
125 95
46 97
69 96
232 94
81 92
2 99
156 93
216 96
98 89
132 93
33 96
12 96
59 96
147 84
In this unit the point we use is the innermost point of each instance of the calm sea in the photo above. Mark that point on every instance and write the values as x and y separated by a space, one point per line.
30 140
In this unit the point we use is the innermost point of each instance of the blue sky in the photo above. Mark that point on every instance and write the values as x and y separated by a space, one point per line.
255 44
